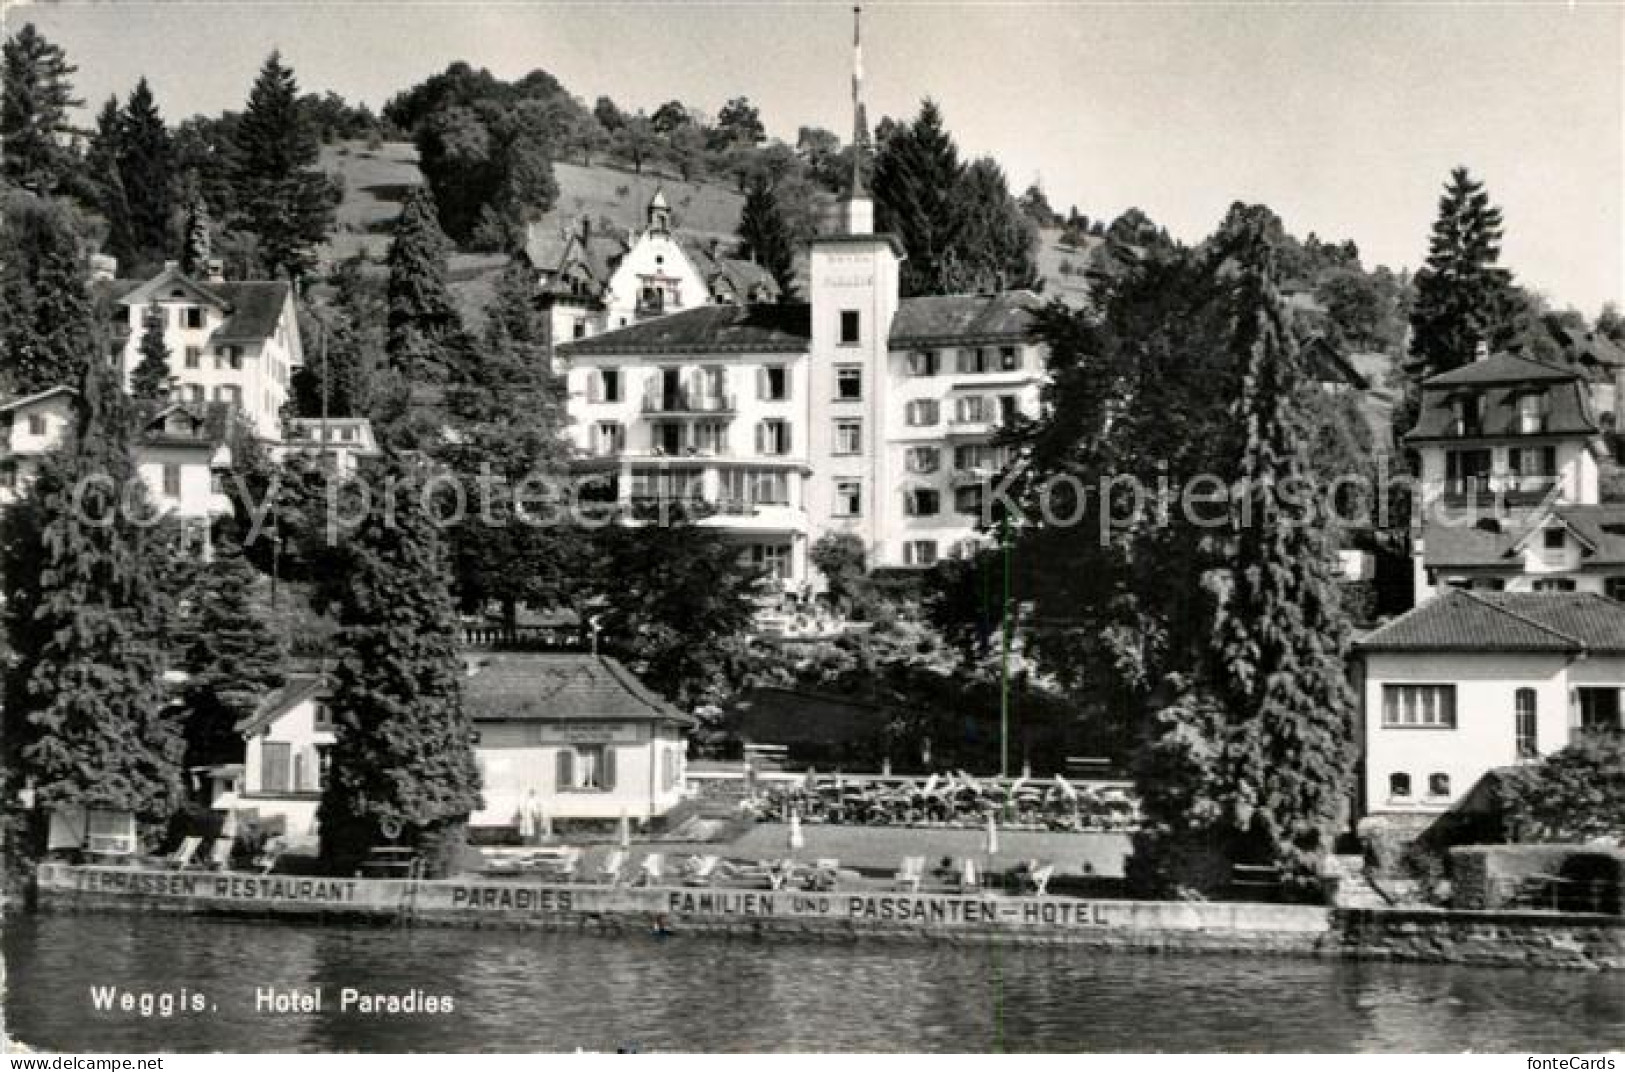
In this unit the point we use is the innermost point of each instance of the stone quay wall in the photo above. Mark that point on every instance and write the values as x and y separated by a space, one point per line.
1531 939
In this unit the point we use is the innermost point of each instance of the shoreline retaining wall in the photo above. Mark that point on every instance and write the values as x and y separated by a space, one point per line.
1522 938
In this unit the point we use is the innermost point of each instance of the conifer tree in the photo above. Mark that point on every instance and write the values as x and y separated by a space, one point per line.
45 312
423 324
915 176
508 412
86 722
150 378
280 199
1463 296
234 659
766 236
103 172
403 754
145 163
197 244
1280 636
34 105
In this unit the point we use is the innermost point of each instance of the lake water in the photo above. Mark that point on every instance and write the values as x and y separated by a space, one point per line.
521 990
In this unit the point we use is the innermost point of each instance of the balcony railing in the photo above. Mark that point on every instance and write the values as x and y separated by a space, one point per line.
972 474
702 403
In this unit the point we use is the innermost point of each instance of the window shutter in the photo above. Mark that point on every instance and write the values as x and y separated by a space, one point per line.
761 383
761 437
609 766
1574 710
565 775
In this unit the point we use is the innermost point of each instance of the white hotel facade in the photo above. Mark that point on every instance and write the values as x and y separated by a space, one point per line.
857 411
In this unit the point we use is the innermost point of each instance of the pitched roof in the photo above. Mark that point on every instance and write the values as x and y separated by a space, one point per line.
1488 622
1568 409
1500 369
38 396
256 306
299 688
964 318
708 329
795 717
252 307
1488 542
560 687
1328 364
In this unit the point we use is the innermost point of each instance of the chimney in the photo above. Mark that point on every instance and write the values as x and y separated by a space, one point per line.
216 269
103 268
170 266
586 229
1482 353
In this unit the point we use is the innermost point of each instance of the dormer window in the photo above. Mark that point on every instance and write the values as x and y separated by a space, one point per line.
1554 539
1532 412
1468 415
192 316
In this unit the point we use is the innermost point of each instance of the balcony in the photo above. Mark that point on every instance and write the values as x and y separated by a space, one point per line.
686 403
973 475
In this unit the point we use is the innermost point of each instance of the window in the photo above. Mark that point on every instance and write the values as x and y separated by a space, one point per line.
973 361
848 498
36 424
1009 358
229 393
922 502
234 358
772 559
1554 539
920 553
1467 472
1419 706
773 437
1467 415
850 333
579 329
1555 584
848 383
1399 785
589 767
922 459
604 385
1532 413
1007 409
1525 724
848 437
921 413
1597 710
172 480
1438 785
754 487
1488 584
923 363
276 766
193 316
1533 461
194 357
711 437
972 409
610 438
1614 588
196 393
774 383
969 500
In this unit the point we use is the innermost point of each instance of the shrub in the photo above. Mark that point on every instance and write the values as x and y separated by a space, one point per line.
1575 795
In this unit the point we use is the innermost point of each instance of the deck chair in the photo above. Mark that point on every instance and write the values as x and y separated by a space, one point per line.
267 860
968 878
780 875
610 870
910 875
1038 879
823 876
183 855
220 854
701 870
564 867
650 870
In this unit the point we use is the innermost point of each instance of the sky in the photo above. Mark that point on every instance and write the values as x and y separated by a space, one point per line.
1344 118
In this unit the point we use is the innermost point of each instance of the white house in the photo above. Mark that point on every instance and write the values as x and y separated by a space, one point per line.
285 755
1471 682
596 280
181 453
1509 452
347 441
231 342
573 733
